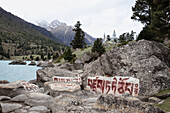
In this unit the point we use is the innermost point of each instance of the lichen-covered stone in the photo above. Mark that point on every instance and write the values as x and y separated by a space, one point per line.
146 60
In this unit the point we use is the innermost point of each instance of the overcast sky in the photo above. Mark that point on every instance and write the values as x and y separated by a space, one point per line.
97 16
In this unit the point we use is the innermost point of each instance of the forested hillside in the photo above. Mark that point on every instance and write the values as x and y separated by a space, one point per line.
18 37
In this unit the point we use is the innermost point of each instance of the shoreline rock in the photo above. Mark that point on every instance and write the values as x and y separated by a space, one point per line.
32 63
18 62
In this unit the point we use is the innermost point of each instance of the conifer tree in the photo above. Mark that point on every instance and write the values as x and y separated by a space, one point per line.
98 46
78 41
67 55
142 12
155 15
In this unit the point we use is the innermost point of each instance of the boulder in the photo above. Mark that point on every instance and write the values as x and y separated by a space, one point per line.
32 63
38 99
57 88
74 66
66 103
46 74
12 89
126 104
85 58
8 107
41 109
146 60
2 98
34 112
45 64
68 66
78 66
3 82
21 111
19 98
18 62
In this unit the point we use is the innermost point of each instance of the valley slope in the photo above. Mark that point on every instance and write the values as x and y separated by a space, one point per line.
18 37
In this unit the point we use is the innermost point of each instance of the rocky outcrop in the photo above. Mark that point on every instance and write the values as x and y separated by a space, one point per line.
8 107
74 66
146 60
38 99
45 64
59 88
12 89
125 104
46 74
65 103
19 98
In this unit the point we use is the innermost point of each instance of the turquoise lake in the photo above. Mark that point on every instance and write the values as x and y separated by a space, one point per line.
17 72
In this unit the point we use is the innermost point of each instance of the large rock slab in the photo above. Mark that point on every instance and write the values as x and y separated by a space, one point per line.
12 89
2 98
146 60
8 107
38 99
58 88
126 104
41 109
66 103
19 98
46 74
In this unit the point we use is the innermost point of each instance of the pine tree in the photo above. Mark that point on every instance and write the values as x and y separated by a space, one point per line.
49 56
78 41
131 36
142 12
155 15
42 56
98 46
108 38
160 15
122 38
37 58
67 55
56 55
31 57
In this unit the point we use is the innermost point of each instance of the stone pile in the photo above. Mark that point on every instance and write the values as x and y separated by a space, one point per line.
145 60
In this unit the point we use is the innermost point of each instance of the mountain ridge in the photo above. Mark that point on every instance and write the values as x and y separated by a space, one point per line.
63 32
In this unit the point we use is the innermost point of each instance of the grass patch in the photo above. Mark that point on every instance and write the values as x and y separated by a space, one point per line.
109 47
163 92
80 52
123 43
165 105
20 57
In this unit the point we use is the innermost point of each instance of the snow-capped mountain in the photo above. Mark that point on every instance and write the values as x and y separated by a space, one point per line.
63 32
55 23
49 26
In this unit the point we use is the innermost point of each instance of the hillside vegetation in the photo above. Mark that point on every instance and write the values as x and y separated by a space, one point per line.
18 37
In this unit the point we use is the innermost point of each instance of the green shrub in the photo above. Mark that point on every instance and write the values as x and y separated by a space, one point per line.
68 54
98 46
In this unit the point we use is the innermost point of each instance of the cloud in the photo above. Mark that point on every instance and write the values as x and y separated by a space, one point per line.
97 16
